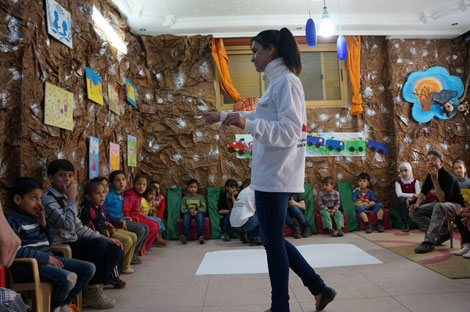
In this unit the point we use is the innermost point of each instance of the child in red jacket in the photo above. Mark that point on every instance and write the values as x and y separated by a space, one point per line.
131 209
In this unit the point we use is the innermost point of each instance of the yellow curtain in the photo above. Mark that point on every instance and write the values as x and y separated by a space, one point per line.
221 60
354 70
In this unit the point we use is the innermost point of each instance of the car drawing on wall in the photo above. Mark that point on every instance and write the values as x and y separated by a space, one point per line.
238 147
334 146
377 147
355 146
315 142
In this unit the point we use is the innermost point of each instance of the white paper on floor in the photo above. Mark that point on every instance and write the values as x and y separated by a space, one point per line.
248 261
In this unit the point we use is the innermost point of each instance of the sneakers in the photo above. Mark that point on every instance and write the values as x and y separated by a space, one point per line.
326 296
297 233
442 238
128 271
117 283
333 233
94 297
256 241
183 239
425 247
380 228
225 237
69 308
465 249
368 228
201 239
340 232
307 232
405 227
136 260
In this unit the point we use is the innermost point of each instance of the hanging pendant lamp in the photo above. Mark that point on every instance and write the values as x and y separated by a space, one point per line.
310 31
327 27
341 45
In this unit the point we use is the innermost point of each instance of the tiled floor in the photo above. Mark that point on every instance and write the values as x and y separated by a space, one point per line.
165 282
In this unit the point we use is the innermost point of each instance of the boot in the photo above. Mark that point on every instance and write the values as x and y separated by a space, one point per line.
94 297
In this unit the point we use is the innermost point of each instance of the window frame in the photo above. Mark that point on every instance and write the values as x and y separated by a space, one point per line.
342 72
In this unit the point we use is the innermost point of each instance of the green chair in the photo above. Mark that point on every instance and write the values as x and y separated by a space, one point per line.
173 207
212 200
309 207
347 204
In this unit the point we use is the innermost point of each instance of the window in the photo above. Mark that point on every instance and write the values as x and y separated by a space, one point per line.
323 77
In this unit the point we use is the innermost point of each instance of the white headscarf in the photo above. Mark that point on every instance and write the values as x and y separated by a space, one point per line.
410 176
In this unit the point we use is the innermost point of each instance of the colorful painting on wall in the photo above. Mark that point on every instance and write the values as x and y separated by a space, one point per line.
94 86
433 94
58 107
335 144
113 100
242 146
131 151
59 23
113 157
94 157
131 93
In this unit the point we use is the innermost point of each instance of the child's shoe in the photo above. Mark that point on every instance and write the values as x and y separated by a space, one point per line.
333 233
467 255
405 227
297 233
463 251
368 228
225 237
244 238
94 297
69 308
380 228
147 252
136 260
201 239
183 239
128 271
255 241
307 232
117 283
340 232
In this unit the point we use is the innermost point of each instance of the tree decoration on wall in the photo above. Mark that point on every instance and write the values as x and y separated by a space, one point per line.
94 86
131 151
434 93
131 93
58 107
59 23
94 157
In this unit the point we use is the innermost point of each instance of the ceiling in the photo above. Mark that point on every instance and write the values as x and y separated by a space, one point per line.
427 19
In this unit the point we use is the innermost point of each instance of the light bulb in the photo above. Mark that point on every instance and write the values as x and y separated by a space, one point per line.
327 27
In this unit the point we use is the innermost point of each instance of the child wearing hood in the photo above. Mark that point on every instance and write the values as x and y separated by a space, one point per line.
407 188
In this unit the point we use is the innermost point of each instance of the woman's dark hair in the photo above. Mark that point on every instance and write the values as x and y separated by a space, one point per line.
114 174
285 45
150 188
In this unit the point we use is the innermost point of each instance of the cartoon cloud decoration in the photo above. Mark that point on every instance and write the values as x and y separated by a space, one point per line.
429 91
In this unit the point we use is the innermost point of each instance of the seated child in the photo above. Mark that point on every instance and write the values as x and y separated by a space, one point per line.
328 204
127 238
365 201
193 205
148 209
91 215
60 205
131 209
243 217
225 204
114 201
407 188
159 202
295 209
28 221
460 171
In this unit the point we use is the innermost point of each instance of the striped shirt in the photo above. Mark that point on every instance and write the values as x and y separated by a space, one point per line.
328 200
35 239
61 215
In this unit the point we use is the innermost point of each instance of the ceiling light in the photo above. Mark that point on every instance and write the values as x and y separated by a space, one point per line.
341 45
310 31
109 33
327 27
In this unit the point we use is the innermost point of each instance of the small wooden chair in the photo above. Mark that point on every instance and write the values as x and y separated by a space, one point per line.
42 291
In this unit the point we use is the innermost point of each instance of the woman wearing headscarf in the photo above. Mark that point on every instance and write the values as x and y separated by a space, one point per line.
406 188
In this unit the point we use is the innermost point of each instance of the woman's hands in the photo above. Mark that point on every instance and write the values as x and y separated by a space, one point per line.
232 119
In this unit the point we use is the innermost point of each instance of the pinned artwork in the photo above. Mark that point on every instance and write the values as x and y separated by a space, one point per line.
335 144
434 93
58 107
131 151
94 86
242 146
59 23
113 100
94 157
113 157
131 93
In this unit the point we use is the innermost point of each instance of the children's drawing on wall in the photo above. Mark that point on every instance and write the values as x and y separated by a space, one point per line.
131 151
94 86
242 146
113 100
434 93
59 23
335 144
94 159
58 107
131 93
113 157
378 147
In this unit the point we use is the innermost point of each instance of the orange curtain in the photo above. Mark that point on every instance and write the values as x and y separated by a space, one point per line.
221 60
354 71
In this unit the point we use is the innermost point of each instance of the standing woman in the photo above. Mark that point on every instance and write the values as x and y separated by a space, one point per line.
279 130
